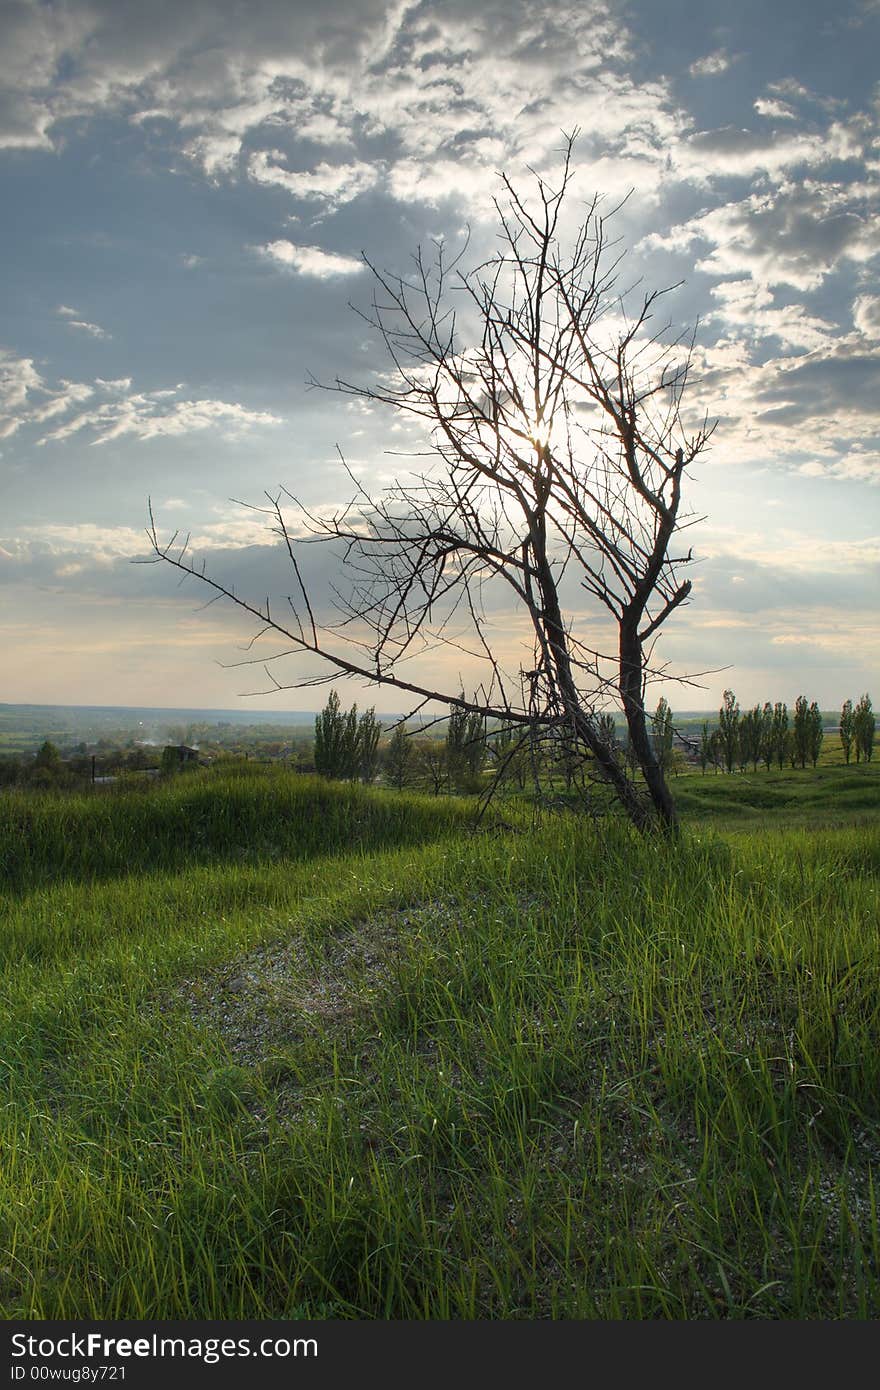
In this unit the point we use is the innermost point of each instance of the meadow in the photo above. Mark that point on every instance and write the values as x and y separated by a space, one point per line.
278 1048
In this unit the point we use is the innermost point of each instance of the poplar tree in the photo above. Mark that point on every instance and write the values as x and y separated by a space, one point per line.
350 748
768 744
750 738
706 752
369 730
801 730
398 756
864 729
329 738
780 733
663 732
815 732
456 736
728 729
465 746
847 729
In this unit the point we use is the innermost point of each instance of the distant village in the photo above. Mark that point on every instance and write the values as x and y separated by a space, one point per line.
50 746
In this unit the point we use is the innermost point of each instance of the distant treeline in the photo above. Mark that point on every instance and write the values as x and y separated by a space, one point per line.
773 736
462 751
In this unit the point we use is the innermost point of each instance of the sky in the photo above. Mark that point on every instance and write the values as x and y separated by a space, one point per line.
189 191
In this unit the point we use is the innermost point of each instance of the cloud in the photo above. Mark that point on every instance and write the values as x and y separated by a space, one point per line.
493 85
435 97
833 640
96 559
151 415
93 329
866 315
26 399
19 379
74 320
798 553
104 544
736 151
310 260
789 87
330 184
34 41
749 308
712 64
209 65
817 413
67 396
796 235
774 110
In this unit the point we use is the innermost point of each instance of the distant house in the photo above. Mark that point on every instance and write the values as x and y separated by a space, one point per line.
184 756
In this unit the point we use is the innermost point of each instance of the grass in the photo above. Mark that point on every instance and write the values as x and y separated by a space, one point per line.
277 1049
829 795
247 814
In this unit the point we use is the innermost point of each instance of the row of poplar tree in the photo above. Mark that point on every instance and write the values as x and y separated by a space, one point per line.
347 747
770 734
347 744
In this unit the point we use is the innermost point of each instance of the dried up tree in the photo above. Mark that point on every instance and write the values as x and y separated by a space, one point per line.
557 457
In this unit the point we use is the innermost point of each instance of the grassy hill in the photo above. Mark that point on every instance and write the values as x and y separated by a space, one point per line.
275 1048
821 797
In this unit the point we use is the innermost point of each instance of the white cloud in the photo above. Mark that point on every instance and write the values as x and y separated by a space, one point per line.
817 413
34 40
120 386
234 533
712 64
103 544
749 307
310 260
796 552
412 180
866 315
94 330
738 152
789 87
82 545
26 399
150 415
423 101
68 395
19 378
331 184
75 320
775 110
454 91
796 235
494 84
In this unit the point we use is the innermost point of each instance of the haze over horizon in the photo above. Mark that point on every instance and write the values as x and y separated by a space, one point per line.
189 189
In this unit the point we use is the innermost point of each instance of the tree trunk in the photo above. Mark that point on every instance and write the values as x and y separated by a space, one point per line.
632 696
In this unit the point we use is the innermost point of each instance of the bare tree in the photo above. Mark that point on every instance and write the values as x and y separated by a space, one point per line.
557 456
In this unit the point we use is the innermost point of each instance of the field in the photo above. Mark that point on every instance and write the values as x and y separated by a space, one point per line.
282 1048
107 729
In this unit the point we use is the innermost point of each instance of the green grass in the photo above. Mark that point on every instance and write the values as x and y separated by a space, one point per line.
246 815
830 794
277 1049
